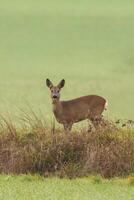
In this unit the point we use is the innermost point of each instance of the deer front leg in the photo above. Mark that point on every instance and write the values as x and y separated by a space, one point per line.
96 121
67 127
91 127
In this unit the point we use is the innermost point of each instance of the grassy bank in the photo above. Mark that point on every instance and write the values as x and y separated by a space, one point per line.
35 148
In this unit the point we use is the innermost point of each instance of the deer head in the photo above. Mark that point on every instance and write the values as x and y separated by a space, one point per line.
55 90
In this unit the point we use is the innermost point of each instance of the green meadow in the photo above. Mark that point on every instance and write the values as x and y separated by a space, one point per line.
34 187
88 43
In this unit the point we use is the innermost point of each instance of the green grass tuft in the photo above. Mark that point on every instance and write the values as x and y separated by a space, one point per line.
131 180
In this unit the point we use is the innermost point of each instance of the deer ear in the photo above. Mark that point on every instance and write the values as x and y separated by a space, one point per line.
61 84
49 83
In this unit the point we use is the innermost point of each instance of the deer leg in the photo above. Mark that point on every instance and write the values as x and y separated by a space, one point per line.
90 126
67 127
96 121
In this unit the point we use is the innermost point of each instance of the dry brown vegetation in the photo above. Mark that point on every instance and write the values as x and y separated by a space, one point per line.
35 148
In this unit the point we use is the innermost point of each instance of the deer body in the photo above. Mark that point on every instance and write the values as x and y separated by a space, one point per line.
75 110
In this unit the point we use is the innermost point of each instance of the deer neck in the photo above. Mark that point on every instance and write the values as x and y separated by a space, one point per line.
57 110
57 107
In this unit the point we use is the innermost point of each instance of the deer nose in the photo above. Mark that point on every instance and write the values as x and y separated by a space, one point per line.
54 96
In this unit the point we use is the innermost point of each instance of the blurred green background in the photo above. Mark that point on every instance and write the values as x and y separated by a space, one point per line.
89 43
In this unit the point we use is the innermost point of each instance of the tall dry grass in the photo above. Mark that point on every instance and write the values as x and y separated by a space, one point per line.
35 148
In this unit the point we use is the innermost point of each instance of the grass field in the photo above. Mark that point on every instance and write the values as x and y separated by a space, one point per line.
33 187
90 44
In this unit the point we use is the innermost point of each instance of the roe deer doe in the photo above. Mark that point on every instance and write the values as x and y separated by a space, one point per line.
75 110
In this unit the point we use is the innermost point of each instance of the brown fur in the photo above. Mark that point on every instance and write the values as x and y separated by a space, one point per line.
72 111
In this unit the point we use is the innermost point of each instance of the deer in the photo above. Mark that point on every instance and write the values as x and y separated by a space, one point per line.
72 111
